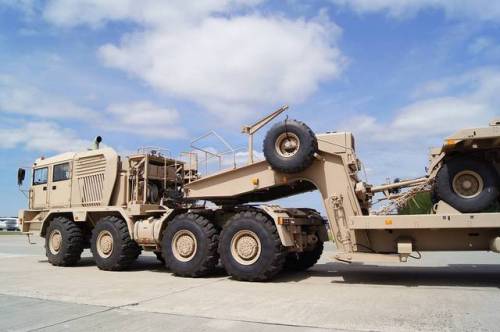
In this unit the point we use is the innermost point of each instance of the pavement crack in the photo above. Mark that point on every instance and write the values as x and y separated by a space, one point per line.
125 306
258 322
172 293
72 319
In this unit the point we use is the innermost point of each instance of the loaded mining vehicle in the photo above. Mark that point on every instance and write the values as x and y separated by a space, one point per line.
118 206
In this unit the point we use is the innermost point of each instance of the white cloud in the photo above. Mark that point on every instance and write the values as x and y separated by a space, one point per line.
41 136
147 12
466 100
141 118
431 88
22 98
399 145
220 54
485 10
145 119
143 113
224 64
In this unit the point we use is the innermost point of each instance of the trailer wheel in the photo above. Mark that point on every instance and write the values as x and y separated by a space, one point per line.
189 246
289 146
468 185
64 242
112 247
301 261
250 247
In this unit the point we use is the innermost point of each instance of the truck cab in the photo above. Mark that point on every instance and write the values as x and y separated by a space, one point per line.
51 182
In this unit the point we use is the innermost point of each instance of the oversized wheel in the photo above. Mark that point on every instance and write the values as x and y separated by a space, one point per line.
289 146
64 242
112 247
301 261
189 246
468 185
250 248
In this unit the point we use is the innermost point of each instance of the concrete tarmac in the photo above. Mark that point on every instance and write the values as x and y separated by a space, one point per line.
441 292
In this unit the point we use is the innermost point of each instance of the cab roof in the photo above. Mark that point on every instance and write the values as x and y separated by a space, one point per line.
68 156
54 159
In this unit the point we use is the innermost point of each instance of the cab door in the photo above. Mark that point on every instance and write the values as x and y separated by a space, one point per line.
60 186
39 189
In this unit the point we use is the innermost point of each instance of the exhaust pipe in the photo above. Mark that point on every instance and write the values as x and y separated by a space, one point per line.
97 142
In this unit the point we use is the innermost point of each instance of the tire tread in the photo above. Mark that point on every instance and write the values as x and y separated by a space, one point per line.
290 167
279 252
75 241
129 249
209 263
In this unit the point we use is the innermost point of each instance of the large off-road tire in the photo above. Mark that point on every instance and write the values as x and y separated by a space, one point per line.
468 185
64 242
112 247
289 146
301 261
189 246
250 247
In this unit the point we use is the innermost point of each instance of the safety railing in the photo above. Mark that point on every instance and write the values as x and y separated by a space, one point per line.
210 160
155 151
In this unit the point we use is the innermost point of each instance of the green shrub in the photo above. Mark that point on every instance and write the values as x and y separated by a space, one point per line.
420 204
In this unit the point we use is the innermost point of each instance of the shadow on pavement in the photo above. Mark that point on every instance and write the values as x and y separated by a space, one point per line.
453 275
143 263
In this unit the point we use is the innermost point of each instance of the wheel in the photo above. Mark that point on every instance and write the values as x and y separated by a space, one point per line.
250 247
289 146
189 246
111 244
301 261
64 242
468 185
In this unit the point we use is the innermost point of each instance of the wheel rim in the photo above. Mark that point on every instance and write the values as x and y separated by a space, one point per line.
55 241
105 244
287 145
468 184
245 247
184 245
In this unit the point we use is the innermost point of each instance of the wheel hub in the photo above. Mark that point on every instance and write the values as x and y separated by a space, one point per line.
184 245
468 184
287 144
245 247
105 244
55 242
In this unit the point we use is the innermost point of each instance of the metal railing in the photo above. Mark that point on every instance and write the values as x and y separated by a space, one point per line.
209 160
155 150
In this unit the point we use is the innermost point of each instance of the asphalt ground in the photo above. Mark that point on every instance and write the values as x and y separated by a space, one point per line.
441 292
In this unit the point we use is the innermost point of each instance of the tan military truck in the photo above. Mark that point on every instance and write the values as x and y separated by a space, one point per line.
120 205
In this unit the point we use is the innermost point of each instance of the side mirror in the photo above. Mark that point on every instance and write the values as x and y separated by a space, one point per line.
21 174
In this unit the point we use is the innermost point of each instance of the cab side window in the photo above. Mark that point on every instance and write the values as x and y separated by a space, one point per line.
61 172
40 176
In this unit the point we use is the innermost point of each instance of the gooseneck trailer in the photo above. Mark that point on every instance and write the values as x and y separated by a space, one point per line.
118 206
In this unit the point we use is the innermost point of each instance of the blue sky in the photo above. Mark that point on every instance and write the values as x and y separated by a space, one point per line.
400 74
